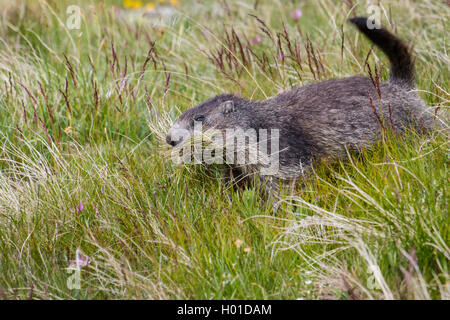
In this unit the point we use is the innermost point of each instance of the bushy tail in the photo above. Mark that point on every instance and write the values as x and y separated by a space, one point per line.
399 54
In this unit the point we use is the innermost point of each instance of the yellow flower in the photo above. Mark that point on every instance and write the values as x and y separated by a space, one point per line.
174 2
150 6
134 4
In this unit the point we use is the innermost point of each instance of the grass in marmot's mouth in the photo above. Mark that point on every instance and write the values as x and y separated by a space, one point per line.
88 191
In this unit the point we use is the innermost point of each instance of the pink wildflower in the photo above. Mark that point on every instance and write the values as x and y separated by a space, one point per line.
255 40
81 260
296 14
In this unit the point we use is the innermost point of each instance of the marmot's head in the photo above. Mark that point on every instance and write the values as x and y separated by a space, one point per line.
220 112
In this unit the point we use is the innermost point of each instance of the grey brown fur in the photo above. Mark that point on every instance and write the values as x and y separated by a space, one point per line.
322 120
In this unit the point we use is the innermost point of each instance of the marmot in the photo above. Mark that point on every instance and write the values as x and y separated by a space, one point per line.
319 120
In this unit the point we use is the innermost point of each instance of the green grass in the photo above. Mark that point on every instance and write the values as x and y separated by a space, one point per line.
374 227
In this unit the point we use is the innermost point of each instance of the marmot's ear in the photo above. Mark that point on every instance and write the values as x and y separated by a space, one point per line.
227 106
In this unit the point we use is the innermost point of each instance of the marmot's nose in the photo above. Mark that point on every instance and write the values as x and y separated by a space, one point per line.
169 140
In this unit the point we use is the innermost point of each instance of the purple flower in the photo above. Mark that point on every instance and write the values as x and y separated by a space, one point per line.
296 14
255 40
80 261
78 208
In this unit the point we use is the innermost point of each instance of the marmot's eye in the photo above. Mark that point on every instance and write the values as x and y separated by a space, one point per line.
200 118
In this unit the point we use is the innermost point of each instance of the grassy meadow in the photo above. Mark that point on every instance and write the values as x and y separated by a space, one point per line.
84 166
